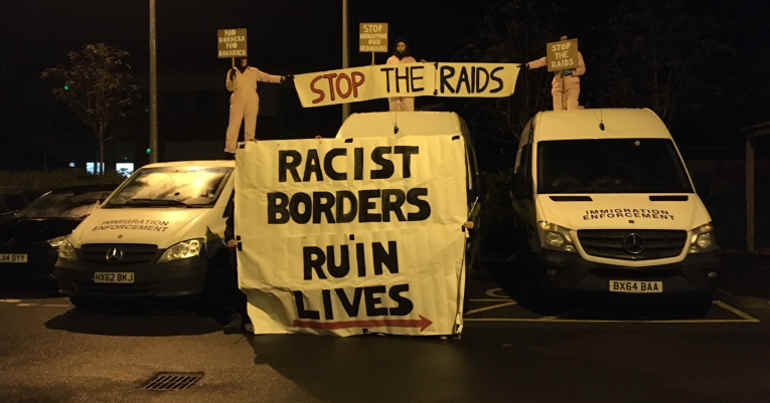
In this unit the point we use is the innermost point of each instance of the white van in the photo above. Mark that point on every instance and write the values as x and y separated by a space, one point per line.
154 236
428 123
606 204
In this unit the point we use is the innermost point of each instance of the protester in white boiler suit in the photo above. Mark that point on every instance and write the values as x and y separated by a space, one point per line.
244 101
401 56
571 79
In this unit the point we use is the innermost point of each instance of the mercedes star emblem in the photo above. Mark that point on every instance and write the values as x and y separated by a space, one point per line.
632 244
114 255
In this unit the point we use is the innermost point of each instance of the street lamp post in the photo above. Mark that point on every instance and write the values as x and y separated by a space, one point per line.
153 87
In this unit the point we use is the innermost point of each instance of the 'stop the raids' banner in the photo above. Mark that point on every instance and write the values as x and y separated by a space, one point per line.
364 83
352 237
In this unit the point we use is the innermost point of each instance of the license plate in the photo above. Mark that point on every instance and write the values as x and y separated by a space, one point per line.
13 258
636 286
114 277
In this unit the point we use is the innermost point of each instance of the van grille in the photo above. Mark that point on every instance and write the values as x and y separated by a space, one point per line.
126 253
632 244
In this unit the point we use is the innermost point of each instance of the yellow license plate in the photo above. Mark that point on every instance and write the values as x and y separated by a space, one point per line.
114 277
636 286
13 258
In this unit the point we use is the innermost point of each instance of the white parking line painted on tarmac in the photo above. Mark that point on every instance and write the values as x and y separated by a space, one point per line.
735 310
496 293
744 317
489 308
19 303
609 321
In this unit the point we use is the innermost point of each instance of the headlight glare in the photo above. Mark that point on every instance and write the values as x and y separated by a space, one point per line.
703 239
555 237
182 250
65 249
58 241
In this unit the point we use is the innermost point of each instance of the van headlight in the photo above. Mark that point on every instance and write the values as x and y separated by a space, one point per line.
555 237
58 241
702 239
64 247
182 250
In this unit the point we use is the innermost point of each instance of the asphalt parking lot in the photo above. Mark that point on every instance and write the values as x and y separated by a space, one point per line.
494 306
50 351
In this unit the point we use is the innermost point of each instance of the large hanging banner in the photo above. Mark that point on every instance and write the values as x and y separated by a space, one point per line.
348 237
355 84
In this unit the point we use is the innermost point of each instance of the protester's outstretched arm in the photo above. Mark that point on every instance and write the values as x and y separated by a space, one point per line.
269 78
537 63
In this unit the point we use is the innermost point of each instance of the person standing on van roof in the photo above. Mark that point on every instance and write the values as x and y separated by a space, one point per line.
401 56
570 80
242 80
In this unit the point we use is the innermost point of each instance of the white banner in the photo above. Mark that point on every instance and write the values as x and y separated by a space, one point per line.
348 237
355 84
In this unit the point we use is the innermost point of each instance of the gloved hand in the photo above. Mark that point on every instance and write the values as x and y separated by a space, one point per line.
287 79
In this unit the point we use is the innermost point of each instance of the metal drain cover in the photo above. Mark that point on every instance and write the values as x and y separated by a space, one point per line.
173 380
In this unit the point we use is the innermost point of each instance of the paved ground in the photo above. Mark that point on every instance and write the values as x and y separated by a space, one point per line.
508 352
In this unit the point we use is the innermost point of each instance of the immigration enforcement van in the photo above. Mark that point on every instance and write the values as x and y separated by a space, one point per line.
429 123
607 205
155 236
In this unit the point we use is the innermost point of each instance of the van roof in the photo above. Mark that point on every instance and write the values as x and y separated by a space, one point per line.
419 123
202 163
585 124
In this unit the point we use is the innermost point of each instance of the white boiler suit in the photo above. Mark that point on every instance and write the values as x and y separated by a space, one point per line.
401 103
244 103
571 84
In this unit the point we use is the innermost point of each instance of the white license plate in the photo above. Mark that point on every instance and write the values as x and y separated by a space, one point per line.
636 286
114 277
13 258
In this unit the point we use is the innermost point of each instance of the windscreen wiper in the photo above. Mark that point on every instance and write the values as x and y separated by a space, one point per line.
156 202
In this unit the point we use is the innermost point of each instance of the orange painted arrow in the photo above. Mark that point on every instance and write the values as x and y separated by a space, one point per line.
421 323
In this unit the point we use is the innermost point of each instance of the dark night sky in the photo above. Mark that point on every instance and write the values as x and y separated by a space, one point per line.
284 37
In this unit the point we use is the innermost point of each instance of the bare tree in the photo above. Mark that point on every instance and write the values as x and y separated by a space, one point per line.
97 84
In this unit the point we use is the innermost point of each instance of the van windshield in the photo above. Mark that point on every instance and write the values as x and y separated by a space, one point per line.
610 166
65 204
171 187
